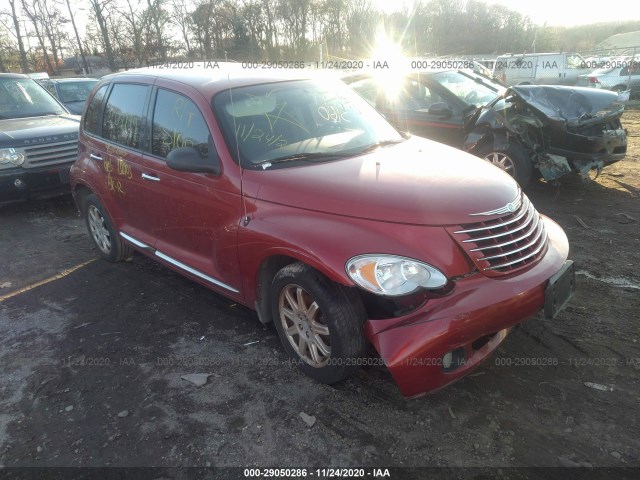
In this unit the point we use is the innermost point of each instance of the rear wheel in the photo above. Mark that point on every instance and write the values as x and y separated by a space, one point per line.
514 160
320 323
619 88
104 236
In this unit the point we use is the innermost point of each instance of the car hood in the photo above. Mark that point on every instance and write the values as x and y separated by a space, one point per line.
416 182
570 106
23 132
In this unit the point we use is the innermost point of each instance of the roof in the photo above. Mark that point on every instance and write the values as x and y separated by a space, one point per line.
70 80
12 75
620 40
212 80
520 55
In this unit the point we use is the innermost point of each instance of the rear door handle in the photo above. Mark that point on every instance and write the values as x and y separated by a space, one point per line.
93 156
146 176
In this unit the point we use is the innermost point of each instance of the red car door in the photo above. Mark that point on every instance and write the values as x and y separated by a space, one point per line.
195 216
113 146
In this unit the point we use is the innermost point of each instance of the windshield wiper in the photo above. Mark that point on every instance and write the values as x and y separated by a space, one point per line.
375 146
310 156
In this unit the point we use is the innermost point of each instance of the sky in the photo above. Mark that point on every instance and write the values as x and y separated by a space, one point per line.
573 12
557 12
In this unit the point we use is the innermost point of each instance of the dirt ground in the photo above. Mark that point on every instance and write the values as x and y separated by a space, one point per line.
91 362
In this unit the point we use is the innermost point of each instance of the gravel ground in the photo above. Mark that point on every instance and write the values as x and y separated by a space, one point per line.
92 359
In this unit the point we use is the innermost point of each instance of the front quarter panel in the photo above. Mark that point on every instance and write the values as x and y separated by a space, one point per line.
326 242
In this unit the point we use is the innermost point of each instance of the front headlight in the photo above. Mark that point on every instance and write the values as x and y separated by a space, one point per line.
391 275
11 157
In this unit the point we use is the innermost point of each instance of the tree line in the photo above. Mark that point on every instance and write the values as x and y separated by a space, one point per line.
37 35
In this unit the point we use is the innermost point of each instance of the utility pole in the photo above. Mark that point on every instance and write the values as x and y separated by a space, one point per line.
73 22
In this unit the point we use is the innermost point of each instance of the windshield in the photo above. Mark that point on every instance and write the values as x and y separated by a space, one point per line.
24 97
299 120
75 91
471 90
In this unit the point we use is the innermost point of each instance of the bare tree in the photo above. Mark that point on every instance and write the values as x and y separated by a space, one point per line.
32 9
156 15
16 25
183 20
204 22
294 15
99 8
75 30
133 19
52 19
361 21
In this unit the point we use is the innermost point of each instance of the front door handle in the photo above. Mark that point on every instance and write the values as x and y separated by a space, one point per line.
146 176
93 156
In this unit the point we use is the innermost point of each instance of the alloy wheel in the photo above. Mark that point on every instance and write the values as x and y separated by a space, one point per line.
303 325
99 230
502 161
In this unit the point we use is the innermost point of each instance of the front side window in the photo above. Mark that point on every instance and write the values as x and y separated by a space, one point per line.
123 114
298 120
575 61
92 115
417 96
471 90
24 97
367 89
177 122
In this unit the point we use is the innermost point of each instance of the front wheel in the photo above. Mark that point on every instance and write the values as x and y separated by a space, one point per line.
513 160
320 323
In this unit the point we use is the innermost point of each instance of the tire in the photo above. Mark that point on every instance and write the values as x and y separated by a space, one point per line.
619 88
514 160
324 330
105 237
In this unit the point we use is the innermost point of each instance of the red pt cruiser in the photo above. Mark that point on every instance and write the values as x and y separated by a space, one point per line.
294 197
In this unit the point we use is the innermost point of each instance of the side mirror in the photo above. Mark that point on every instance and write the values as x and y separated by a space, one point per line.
440 109
188 159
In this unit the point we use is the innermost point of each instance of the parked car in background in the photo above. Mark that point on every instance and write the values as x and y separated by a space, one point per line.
72 92
540 68
619 76
38 140
294 197
528 130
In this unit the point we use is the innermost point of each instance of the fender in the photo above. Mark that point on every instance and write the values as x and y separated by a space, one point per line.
81 179
326 242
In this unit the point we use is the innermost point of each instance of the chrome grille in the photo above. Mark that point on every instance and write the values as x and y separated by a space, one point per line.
51 154
507 242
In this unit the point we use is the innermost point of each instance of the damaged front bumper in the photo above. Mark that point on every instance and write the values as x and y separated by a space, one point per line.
588 153
446 338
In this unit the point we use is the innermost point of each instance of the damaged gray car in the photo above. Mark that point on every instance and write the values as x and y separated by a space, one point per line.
528 130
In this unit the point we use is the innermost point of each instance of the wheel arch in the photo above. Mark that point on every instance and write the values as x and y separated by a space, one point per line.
83 189
270 266
80 193
264 276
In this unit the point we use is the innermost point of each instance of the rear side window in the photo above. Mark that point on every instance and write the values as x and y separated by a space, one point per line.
177 122
123 114
92 115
